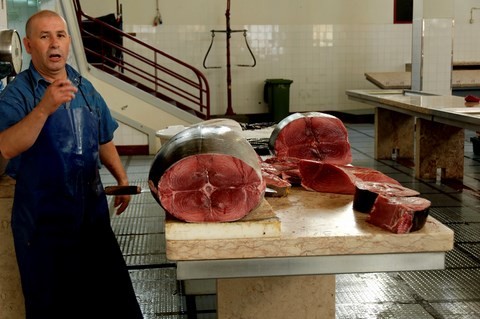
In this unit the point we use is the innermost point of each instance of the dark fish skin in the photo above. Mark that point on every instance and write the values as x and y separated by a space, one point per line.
367 192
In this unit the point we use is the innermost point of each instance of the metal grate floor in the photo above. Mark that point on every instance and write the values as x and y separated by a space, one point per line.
440 294
159 293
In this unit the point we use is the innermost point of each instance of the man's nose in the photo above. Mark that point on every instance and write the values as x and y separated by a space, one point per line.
54 43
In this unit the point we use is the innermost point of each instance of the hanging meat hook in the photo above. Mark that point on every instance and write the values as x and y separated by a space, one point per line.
254 63
208 51
251 53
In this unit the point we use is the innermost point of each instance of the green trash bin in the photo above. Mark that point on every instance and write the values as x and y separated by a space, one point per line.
276 94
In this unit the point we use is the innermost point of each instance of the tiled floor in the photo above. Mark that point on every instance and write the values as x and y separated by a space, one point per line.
441 294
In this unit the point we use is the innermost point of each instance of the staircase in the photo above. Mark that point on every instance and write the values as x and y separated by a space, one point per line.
108 49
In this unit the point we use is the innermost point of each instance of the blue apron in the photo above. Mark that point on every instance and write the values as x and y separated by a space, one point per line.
70 263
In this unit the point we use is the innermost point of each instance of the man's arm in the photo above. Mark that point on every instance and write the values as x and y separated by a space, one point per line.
110 158
21 136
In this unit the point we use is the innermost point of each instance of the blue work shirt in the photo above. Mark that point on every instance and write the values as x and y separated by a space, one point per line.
22 94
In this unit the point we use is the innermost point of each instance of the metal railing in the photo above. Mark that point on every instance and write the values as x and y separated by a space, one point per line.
120 54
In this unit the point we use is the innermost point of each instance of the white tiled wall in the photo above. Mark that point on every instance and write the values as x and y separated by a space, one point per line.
322 60
466 45
126 135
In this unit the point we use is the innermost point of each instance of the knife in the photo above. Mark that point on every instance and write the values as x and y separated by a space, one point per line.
134 190
125 190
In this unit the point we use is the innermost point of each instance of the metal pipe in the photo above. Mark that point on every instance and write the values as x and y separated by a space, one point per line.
228 33
229 72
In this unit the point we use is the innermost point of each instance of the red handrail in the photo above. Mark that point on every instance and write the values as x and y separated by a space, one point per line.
153 71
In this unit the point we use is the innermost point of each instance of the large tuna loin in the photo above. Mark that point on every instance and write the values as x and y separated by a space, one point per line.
207 174
313 135
399 215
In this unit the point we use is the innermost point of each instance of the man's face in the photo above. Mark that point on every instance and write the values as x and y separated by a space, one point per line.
49 45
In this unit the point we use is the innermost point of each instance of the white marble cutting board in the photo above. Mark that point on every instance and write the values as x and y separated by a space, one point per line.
261 222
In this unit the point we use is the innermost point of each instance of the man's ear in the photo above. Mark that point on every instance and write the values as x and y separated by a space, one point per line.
26 44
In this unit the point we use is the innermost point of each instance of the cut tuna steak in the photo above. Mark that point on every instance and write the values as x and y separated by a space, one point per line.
207 173
367 192
210 187
339 179
272 179
288 168
283 163
399 215
312 135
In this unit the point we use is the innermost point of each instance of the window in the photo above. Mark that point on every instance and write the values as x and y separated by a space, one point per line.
402 11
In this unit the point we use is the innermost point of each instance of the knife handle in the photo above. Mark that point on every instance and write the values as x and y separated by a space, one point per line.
123 190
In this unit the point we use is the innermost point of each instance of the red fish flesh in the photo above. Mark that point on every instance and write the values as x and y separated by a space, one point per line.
207 173
288 168
273 180
399 215
366 193
339 179
312 135
210 187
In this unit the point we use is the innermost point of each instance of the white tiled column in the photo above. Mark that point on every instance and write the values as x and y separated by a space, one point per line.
417 45
438 53
432 46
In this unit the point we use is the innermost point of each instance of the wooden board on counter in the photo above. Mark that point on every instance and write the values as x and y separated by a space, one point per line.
390 80
261 222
